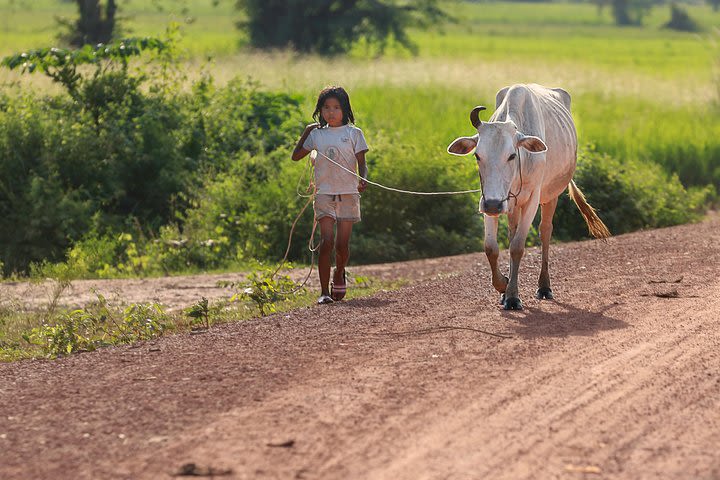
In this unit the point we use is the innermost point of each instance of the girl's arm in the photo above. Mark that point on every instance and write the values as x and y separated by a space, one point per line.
362 170
299 151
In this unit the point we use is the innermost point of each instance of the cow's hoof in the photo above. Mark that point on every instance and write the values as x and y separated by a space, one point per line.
512 304
502 299
544 293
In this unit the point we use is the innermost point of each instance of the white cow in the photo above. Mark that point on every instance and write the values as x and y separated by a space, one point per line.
526 156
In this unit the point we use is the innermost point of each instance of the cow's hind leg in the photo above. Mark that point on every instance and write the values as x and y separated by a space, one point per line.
547 211
492 250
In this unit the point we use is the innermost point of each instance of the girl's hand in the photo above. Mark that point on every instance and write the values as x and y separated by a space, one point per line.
362 185
299 151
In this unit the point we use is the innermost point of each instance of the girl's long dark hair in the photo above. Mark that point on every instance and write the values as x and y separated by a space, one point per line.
341 96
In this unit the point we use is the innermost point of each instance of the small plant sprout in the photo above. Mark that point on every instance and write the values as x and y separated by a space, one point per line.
361 281
200 313
266 289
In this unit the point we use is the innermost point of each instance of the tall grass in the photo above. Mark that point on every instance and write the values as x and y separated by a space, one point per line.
529 33
683 139
639 94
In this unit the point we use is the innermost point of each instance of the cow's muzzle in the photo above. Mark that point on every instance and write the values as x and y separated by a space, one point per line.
492 207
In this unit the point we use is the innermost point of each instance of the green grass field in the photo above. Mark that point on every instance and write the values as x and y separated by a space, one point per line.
643 92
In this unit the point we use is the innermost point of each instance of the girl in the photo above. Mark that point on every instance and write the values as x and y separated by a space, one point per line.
337 192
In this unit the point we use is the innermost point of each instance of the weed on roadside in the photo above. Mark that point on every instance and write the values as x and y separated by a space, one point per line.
199 312
55 331
98 325
265 288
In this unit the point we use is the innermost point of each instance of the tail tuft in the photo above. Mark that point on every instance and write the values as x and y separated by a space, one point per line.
596 226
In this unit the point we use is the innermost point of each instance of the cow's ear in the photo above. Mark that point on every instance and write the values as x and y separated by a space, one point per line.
531 143
463 145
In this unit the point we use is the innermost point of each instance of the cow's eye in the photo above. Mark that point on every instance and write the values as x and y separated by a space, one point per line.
512 157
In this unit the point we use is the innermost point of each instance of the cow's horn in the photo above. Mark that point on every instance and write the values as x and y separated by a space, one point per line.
475 116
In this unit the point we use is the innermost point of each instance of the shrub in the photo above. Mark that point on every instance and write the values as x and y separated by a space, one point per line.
74 332
140 321
248 210
628 195
400 226
117 158
98 325
199 312
265 288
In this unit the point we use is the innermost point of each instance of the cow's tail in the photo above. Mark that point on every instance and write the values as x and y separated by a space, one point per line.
595 225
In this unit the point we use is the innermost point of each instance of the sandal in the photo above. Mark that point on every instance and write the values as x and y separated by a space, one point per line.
337 292
324 299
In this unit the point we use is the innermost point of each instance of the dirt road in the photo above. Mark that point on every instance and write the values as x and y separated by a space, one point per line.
618 378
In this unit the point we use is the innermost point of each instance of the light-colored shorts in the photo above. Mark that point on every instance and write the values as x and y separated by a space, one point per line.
345 207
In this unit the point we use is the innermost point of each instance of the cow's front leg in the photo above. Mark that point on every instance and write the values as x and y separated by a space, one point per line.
513 221
517 250
547 210
492 250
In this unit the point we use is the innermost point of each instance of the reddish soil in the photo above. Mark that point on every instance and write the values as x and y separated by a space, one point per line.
617 378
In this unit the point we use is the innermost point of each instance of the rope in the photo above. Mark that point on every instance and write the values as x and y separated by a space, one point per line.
292 229
410 192
313 249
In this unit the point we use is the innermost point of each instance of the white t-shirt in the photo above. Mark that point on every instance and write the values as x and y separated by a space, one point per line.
340 144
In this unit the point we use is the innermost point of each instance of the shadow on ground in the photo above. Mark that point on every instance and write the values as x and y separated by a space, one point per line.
535 323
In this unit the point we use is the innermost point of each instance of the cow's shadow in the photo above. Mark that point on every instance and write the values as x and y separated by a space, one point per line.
572 321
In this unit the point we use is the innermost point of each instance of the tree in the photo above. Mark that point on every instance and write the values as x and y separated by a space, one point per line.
333 26
681 20
715 4
92 27
600 4
630 12
620 12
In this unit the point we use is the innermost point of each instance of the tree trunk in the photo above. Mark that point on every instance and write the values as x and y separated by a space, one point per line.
91 27
620 12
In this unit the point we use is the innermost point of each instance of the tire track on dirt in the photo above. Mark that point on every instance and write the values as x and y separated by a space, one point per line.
515 444
610 381
505 405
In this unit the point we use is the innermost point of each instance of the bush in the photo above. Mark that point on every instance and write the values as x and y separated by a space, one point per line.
248 210
400 226
90 328
115 157
127 175
629 195
266 288
60 168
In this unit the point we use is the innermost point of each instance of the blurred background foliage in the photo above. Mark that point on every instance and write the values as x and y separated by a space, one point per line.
163 162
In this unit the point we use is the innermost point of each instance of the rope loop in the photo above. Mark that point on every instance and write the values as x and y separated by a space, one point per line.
310 195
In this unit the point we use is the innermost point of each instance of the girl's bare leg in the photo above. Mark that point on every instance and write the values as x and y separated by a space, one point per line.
327 235
342 250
